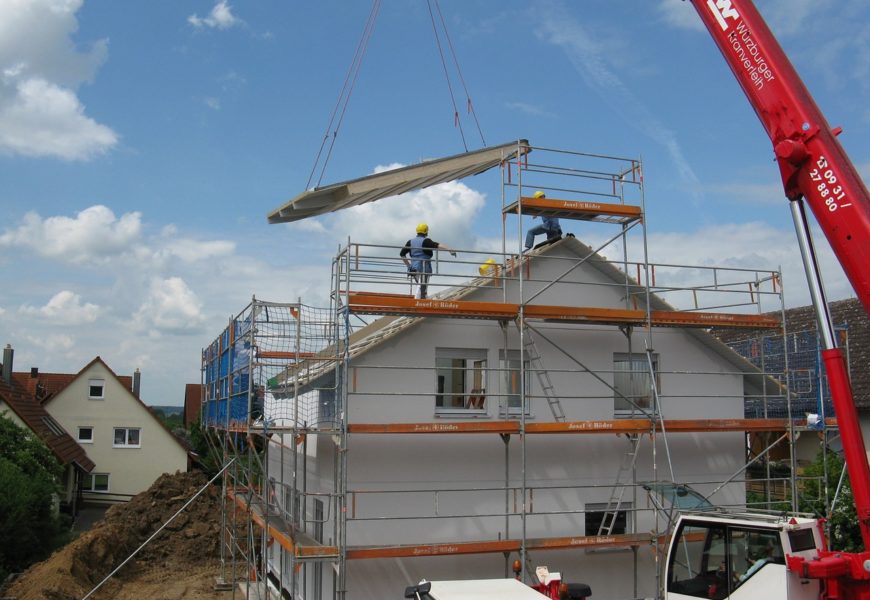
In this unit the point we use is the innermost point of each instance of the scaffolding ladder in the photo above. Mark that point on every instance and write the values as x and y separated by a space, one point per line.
530 349
626 467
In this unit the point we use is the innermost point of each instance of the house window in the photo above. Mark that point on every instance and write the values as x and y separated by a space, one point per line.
631 383
86 435
599 519
95 482
460 375
510 371
96 389
126 437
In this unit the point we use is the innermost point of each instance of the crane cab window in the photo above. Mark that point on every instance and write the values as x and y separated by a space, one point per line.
711 561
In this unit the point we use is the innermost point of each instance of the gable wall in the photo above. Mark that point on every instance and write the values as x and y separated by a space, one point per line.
6 411
131 470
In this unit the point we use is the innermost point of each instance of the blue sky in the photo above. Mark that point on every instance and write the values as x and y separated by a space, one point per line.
142 144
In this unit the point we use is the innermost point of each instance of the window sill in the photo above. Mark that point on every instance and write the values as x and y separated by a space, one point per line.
127 447
461 414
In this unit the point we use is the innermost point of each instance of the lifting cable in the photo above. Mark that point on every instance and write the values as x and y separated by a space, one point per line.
344 97
469 105
456 121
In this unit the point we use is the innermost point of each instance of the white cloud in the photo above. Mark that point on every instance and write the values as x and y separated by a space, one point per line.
55 342
64 307
680 14
220 17
170 307
42 119
92 237
448 208
213 103
191 251
40 114
529 109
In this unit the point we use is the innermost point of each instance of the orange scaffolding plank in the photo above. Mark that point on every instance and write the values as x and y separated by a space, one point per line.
493 546
617 426
380 304
384 304
673 318
451 427
577 209
288 355
584 314
298 543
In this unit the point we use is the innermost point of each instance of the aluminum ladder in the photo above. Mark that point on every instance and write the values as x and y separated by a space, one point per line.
626 466
530 349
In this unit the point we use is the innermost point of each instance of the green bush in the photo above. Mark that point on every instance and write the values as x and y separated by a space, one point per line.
30 479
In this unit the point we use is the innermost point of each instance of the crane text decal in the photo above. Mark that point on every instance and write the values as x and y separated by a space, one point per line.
750 55
722 10
829 190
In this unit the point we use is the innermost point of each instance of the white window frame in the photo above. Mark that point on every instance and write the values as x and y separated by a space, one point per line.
81 440
621 408
90 478
474 379
92 383
127 443
509 373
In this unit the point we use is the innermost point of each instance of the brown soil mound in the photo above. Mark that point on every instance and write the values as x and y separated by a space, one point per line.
180 562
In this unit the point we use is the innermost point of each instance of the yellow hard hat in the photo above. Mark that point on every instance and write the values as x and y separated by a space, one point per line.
487 267
539 194
423 228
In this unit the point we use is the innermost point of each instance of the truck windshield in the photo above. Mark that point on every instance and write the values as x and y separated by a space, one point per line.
712 560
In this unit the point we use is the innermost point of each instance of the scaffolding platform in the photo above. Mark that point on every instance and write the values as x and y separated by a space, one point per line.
501 546
397 304
578 210
300 544
614 426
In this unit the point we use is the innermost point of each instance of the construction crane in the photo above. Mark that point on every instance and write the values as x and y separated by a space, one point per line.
751 556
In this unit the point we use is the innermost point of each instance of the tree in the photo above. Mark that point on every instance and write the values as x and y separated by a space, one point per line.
844 532
30 475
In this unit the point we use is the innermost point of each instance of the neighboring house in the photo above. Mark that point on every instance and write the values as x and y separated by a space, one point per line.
128 445
450 375
192 403
810 390
25 411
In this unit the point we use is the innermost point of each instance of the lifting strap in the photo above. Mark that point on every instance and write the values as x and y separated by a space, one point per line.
344 96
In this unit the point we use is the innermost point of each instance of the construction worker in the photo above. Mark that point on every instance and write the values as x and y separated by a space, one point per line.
549 226
420 250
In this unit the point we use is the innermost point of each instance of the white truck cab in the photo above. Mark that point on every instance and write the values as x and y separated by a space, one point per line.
740 556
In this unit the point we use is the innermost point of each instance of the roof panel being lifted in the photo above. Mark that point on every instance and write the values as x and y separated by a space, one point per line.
337 196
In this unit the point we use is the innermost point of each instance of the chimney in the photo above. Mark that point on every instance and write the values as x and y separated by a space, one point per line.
34 372
8 355
137 378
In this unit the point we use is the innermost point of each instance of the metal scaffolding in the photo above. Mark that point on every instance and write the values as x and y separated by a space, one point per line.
289 389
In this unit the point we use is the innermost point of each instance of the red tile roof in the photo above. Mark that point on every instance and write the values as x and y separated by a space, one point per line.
29 410
192 403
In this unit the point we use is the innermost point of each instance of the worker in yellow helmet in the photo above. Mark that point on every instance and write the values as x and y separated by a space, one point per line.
420 250
549 226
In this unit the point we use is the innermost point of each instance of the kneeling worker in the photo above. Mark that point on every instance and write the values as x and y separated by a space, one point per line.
420 250
549 226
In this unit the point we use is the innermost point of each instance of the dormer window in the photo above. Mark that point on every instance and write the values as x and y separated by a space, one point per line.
96 389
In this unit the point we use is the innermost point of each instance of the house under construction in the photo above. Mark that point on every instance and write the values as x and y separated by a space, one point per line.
549 407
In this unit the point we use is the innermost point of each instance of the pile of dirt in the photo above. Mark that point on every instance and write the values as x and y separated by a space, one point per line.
178 562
